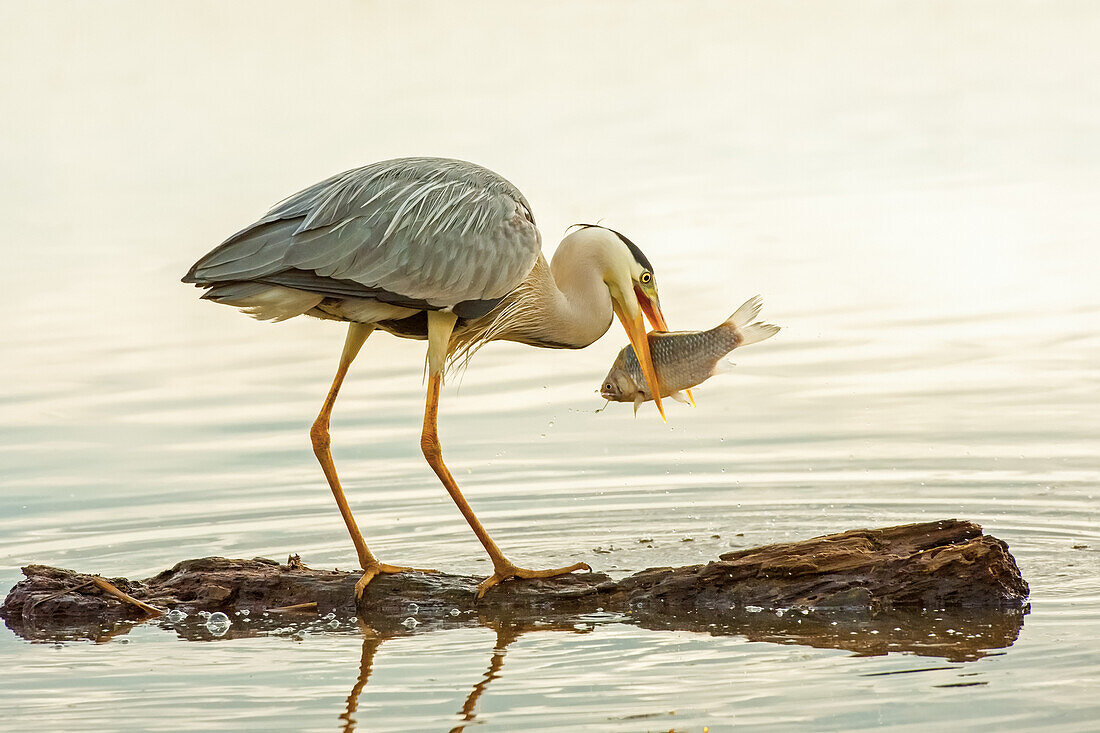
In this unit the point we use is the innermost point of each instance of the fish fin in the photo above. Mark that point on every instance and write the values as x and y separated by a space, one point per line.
680 397
638 400
724 366
749 332
691 397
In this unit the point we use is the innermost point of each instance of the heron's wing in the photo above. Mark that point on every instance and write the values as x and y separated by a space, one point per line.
422 232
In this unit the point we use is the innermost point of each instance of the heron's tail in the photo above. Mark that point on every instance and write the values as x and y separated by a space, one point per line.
746 330
261 301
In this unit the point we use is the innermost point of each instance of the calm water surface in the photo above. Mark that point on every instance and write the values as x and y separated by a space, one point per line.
913 188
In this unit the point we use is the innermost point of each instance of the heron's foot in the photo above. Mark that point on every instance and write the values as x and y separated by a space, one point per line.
380 568
506 572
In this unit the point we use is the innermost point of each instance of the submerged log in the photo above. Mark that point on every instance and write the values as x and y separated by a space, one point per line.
948 564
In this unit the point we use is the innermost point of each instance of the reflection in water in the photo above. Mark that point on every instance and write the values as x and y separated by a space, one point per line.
963 635
371 641
957 636
506 634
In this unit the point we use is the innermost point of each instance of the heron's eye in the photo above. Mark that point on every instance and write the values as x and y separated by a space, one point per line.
646 278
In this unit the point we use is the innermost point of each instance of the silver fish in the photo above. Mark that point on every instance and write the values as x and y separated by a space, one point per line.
684 359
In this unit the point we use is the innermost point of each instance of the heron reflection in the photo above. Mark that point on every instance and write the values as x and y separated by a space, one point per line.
959 636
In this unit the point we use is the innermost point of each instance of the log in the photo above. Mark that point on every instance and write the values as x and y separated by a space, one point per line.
872 580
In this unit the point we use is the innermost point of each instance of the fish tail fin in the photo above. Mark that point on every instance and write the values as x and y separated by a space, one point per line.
749 331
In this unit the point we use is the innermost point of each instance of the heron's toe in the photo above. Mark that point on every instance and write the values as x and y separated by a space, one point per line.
512 571
363 582
381 568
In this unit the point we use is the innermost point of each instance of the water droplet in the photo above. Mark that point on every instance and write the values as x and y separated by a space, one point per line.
334 624
753 609
204 615
412 608
175 616
218 623
410 623
454 612
329 616
244 612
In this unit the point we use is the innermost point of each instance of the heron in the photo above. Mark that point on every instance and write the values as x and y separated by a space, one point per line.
435 249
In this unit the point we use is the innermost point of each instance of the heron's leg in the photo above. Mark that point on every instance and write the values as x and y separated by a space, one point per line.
440 325
357 334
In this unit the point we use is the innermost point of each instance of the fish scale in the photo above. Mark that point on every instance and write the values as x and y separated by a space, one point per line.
683 357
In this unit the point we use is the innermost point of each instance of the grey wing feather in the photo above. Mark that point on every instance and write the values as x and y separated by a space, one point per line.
429 232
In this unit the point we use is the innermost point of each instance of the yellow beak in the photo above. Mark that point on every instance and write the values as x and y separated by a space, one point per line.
635 331
652 310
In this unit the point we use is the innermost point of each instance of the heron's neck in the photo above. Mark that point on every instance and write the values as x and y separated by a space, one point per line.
578 309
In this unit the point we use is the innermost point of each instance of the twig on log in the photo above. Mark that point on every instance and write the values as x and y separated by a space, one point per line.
310 607
103 585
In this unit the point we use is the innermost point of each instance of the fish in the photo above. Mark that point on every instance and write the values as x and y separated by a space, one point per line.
683 359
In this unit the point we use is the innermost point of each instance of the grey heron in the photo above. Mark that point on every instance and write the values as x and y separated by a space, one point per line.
435 249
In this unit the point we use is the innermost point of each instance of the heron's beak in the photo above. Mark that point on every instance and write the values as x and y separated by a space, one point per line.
635 331
651 308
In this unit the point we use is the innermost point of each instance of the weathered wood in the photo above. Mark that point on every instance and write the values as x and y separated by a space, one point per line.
948 564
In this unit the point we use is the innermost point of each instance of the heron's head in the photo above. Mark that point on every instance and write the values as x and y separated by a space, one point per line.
633 288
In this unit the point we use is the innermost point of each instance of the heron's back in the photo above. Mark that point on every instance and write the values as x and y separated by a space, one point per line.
411 233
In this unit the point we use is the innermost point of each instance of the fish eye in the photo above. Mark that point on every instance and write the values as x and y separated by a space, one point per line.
608 387
646 278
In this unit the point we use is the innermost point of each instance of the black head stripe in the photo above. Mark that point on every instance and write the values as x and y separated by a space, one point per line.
639 256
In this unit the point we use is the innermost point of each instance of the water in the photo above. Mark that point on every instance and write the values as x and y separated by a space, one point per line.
913 189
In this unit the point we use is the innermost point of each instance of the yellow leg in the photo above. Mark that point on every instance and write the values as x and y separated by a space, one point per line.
319 433
439 332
